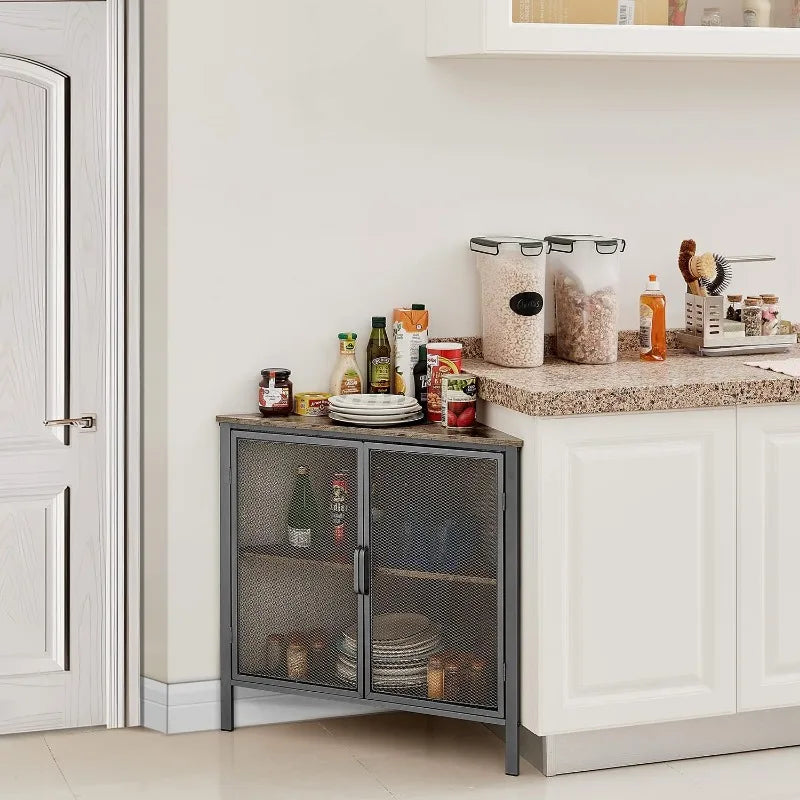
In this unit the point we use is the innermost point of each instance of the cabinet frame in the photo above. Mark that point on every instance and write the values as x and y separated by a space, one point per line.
422 703
507 574
484 28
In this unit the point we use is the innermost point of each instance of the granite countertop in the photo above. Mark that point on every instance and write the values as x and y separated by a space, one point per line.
560 388
480 436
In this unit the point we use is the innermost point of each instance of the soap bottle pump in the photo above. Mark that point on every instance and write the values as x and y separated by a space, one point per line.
653 322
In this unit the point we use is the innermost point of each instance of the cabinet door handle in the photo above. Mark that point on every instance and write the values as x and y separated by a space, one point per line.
357 570
362 571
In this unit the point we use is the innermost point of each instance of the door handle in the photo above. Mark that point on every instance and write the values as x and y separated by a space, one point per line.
360 579
363 578
357 570
86 422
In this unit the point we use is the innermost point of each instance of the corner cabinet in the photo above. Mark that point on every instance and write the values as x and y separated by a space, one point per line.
769 557
486 28
637 569
411 560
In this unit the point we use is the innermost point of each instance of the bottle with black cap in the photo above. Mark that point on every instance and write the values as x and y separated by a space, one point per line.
379 359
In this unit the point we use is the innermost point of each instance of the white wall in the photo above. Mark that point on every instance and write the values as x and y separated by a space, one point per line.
321 170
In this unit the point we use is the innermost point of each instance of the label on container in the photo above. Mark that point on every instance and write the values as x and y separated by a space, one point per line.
273 396
350 383
625 12
645 328
300 537
459 401
438 366
380 370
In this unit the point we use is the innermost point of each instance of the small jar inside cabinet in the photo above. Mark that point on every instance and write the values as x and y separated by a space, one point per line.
296 659
435 678
452 680
751 316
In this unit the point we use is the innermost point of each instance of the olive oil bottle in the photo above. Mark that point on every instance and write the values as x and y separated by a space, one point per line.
379 359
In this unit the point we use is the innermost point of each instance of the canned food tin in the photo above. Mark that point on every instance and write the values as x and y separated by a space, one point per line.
311 404
459 400
444 358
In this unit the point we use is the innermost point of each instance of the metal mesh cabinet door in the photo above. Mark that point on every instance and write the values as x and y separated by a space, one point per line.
295 609
435 580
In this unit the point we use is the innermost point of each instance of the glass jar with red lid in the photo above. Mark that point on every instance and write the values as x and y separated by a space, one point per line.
275 397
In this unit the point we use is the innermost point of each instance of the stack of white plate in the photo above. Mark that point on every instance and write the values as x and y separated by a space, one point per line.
401 647
374 410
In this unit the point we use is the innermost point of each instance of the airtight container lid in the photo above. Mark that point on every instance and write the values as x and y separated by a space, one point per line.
604 245
490 245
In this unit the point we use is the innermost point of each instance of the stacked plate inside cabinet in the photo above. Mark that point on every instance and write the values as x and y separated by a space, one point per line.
374 410
401 647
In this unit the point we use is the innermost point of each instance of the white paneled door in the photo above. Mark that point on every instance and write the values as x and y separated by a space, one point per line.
769 557
637 549
52 295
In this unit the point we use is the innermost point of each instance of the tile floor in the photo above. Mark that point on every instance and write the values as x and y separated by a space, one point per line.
356 758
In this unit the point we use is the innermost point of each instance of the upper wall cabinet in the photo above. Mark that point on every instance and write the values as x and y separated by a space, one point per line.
733 29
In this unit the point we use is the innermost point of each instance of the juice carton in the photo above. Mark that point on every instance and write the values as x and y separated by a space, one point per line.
410 328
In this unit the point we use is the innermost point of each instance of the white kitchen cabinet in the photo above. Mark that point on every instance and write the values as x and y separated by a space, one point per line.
485 28
769 557
635 570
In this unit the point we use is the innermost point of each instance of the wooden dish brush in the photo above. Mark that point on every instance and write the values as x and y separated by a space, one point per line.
687 253
703 269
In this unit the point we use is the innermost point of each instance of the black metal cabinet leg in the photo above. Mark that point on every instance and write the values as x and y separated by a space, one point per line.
512 749
226 718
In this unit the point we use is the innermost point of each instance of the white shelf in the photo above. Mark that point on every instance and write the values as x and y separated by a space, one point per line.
484 28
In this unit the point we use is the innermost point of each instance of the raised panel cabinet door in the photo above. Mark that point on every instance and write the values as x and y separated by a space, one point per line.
52 291
636 569
769 557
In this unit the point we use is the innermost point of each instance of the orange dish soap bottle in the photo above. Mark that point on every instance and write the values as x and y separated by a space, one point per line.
653 323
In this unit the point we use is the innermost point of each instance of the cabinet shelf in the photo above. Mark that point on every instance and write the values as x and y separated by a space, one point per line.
297 560
449 577
398 572
485 28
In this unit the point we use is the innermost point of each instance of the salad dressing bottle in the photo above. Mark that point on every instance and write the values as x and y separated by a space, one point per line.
346 378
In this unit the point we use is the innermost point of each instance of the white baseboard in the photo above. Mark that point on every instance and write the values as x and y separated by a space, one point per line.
667 741
187 707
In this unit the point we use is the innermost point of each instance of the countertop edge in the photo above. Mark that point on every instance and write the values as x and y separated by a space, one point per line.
772 388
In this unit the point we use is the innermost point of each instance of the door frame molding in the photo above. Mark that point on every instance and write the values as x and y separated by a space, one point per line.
123 367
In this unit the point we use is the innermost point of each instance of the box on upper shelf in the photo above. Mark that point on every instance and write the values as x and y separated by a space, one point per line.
591 12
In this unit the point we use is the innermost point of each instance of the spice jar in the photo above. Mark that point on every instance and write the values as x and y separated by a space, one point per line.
275 654
275 392
711 17
734 312
452 680
435 678
478 682
751 316
296 659
770 315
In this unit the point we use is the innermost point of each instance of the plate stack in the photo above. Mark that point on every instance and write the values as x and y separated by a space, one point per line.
374 410
401 647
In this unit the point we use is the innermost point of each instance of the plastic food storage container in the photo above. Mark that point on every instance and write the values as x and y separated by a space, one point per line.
586 275
512 271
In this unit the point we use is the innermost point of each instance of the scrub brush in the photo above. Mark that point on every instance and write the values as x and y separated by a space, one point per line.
703 268
721 281
688 249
